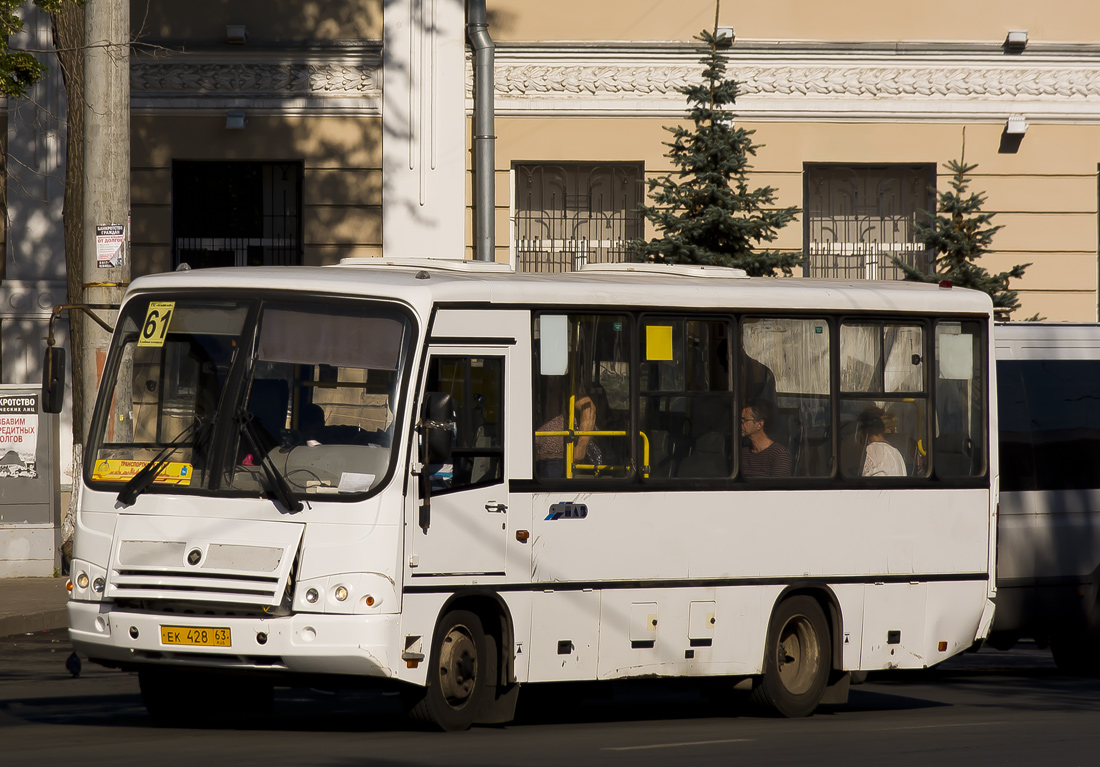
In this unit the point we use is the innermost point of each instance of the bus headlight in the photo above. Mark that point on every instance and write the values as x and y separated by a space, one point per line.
341 593
89 581
312 596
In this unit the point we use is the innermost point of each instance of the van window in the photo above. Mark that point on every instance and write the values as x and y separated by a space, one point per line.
1049 424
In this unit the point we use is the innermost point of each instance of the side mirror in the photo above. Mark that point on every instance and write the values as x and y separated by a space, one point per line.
53 379
439 426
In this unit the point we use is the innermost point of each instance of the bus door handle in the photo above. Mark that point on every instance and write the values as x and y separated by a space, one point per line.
493 506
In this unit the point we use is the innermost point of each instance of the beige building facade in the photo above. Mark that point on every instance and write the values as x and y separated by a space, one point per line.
304 132
857 108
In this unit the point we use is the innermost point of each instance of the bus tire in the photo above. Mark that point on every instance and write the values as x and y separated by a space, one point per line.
796 659
456 687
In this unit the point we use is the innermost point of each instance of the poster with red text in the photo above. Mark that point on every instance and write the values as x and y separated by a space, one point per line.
19 435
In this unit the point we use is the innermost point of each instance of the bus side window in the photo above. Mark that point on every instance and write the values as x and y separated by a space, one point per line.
785 365
686 387
581 402
884 405
959 445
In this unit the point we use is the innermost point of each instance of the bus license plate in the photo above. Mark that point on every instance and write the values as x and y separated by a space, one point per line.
200 637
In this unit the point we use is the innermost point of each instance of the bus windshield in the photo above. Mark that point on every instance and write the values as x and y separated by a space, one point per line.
213 395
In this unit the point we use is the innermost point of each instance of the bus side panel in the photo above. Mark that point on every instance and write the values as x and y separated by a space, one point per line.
950 618
893 622
766 535
566 638
419 614
683 631
850 597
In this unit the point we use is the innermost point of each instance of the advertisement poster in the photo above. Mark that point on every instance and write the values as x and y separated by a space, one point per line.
19 436
108 245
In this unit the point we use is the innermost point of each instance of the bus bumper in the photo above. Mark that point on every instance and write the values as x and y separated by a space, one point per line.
304 643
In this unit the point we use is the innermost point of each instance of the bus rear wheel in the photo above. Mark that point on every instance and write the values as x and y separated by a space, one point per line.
796 659
456 687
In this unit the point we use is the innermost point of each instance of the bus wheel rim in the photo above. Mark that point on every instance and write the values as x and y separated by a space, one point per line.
797 654
458 666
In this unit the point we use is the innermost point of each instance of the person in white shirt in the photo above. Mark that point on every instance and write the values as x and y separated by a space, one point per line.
880 458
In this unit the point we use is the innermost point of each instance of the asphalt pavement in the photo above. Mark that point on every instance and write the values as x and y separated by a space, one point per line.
32 604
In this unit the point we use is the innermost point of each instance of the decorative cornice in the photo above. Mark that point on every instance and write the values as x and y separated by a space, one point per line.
632 80
289 80
646 80
839 86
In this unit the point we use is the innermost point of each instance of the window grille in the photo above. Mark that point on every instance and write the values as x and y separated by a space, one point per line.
570 214
236 213
859 217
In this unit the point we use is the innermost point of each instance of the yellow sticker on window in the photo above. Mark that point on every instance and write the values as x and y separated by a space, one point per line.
114 470
155 328
658 343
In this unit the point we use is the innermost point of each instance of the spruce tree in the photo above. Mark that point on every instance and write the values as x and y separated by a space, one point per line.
708 215
957 236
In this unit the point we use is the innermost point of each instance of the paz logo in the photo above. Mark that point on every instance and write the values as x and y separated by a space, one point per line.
567 510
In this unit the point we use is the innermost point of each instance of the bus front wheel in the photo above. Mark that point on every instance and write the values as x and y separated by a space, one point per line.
456 687
796 659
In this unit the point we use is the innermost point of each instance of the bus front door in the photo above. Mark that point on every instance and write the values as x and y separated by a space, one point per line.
464 527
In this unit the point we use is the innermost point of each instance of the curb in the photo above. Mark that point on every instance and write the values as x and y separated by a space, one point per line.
48 620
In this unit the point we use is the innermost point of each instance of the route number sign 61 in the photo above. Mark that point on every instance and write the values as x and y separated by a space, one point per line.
157 319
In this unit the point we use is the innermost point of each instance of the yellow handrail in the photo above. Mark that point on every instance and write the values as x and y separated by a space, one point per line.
572 433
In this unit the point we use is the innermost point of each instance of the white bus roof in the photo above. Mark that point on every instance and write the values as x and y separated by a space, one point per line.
423 283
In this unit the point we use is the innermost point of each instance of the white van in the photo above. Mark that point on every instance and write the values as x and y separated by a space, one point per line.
1048 547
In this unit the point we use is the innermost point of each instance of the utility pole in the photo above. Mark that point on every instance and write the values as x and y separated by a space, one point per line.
106 186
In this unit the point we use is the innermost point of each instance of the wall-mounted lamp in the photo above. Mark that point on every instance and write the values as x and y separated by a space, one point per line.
234 120
724 37
1016 125
1016 41
236 34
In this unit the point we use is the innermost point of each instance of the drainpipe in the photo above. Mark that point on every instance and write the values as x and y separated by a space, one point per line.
484 149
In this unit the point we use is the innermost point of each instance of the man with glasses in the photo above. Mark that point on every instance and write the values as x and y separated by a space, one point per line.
761 456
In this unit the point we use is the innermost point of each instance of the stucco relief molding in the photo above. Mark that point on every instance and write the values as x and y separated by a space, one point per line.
540 81
252 79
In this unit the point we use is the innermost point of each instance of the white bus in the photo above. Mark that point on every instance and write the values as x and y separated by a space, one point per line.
456 480
1048 564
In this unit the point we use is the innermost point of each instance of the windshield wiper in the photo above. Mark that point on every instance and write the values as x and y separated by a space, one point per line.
277 484
141 481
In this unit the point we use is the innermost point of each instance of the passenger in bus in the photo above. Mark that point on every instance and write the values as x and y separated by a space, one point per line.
880 458
550 451
761 456
311 423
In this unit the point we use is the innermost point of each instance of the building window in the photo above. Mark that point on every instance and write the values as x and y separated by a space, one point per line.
859 217
569 214
236 213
